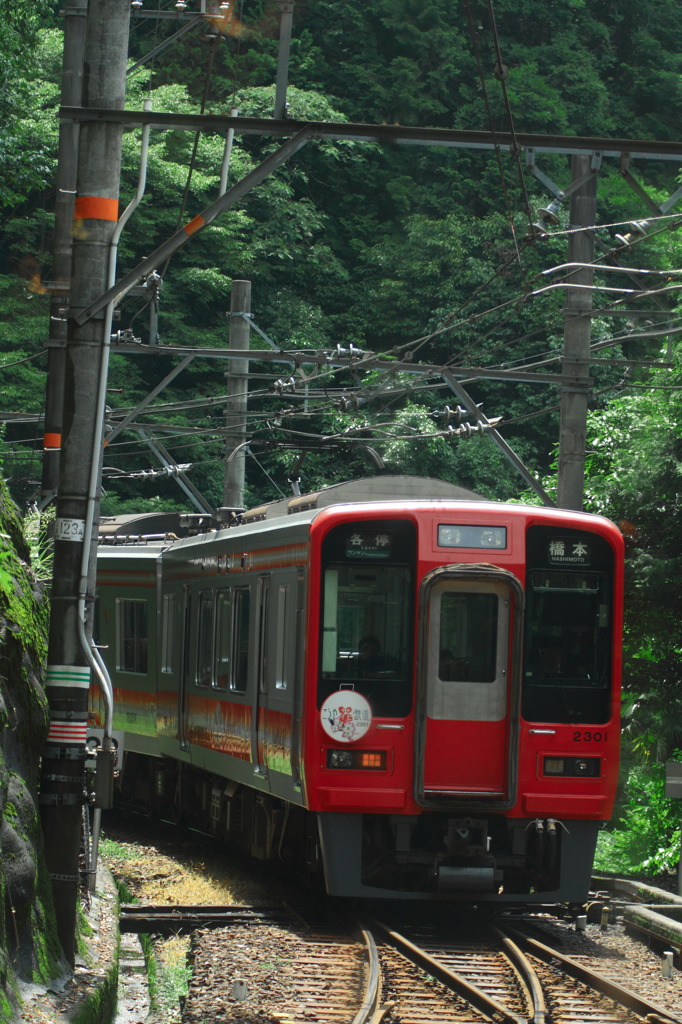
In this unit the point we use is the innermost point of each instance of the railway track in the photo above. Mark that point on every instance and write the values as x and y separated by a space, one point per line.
464 982
524 980
557 971
315 965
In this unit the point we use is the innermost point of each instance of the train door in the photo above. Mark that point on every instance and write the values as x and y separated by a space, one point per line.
468 686
262 670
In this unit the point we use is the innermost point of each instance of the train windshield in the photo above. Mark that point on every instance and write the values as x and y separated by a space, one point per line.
567 669
367 616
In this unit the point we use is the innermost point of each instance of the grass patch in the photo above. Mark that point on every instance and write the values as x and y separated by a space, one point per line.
173 972
166 960
111 850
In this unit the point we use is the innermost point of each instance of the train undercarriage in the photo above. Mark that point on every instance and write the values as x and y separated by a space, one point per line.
434 855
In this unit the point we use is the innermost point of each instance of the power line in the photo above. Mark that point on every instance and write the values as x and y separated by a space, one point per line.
18 362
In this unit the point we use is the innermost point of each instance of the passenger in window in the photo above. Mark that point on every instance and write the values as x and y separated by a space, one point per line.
371 663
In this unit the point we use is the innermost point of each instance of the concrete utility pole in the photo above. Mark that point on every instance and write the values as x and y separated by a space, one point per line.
237 392
577 331
286 17
71 89
68 672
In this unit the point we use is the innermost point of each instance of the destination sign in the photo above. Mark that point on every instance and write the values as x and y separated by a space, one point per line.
567 551
370 545
453 536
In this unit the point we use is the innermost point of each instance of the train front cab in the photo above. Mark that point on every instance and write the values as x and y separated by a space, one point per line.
490 779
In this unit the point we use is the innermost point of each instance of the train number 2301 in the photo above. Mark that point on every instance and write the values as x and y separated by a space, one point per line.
580 736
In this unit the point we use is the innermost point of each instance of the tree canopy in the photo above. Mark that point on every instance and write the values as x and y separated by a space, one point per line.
391 249
423 255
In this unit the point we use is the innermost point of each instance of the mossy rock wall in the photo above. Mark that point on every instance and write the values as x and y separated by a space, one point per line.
29 950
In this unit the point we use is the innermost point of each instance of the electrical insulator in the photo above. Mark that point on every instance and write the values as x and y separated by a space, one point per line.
288 385
455 415
351 403
351 351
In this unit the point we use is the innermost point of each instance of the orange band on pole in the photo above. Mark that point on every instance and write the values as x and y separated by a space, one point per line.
96 208
194 225
52 440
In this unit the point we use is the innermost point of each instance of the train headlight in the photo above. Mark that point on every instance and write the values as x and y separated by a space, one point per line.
573 767
339 759
368 760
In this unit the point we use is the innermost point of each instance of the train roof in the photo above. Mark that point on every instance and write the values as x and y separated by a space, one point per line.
170 526
176 536
375 488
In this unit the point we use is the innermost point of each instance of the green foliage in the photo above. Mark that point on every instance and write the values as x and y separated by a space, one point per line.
376 245
36 530
18 605
28 127
171 974
573 67
113 851
646 838
633 476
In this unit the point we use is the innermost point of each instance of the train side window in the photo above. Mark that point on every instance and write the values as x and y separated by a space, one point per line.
204 676
282 638
240 627
168 633
223 640
132 635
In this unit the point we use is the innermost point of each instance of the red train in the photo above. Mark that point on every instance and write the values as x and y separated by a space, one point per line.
411 690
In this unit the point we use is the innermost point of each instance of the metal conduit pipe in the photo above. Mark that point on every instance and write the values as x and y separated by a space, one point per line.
91 654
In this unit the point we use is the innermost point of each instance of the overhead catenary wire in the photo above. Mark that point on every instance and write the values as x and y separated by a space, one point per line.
667 222
491 124
526 297
502 74
364 391
18 362
299 439
477 315
391 394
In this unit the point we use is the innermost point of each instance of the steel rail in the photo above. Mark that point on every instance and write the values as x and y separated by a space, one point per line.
623 996
370 1002
526 974
479 999
138 918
